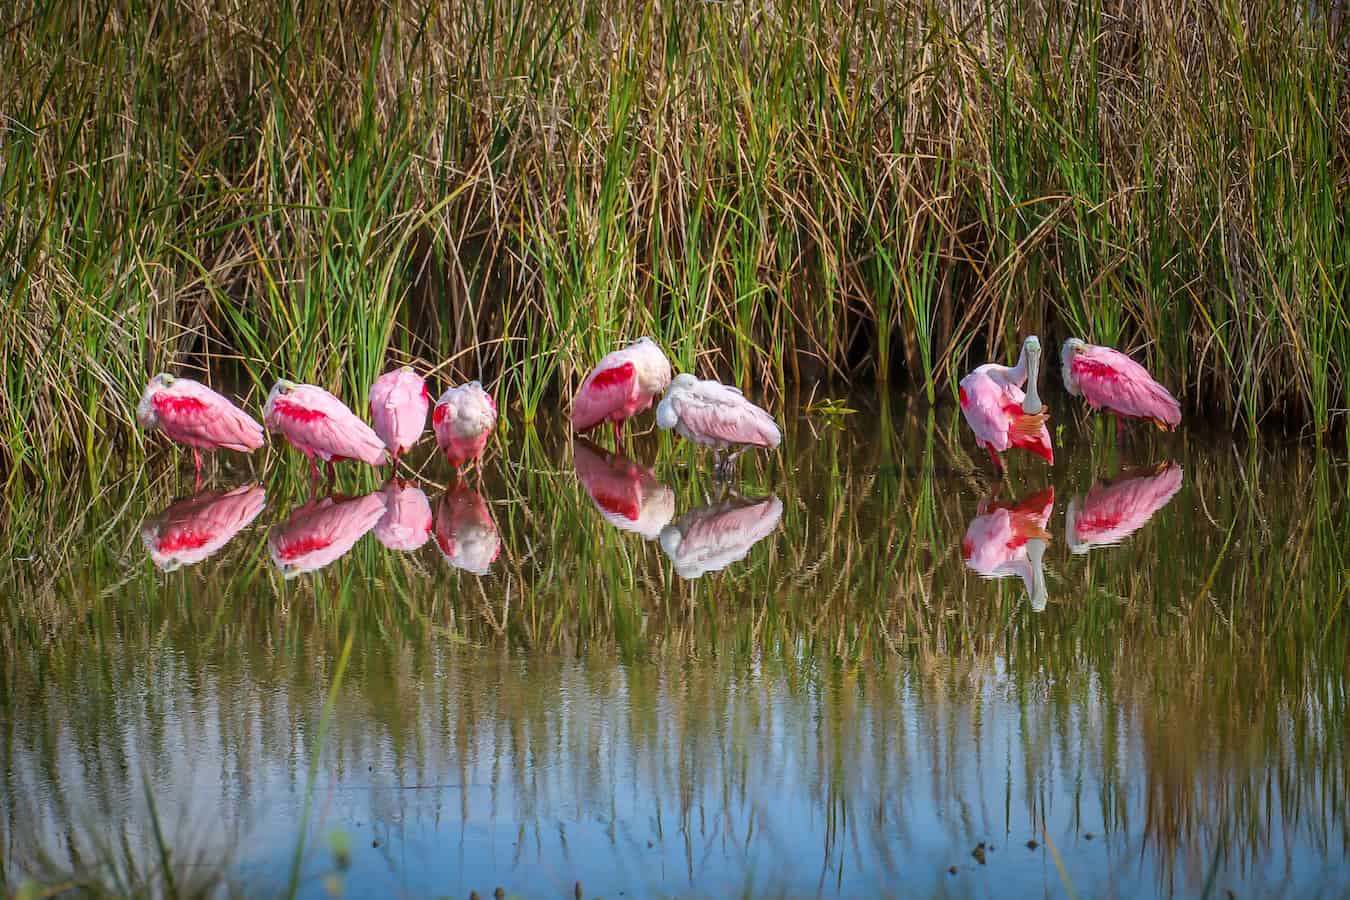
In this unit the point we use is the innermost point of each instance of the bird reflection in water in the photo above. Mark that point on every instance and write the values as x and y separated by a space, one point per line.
1116 508
712 537
1009 538
406 523
627 495
196 527
465 531
323 530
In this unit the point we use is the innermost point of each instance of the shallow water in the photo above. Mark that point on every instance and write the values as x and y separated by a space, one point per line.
580 667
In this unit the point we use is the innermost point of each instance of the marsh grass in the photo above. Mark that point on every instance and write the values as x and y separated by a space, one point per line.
507 190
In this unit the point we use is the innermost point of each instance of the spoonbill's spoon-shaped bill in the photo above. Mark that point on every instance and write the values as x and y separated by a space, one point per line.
192 414
463 421
1116 508
1001 414
1110 380
321 426
712 537
717 416
465 531
322 531
406 523
1009 538
627 495
398 408
195 528
621 385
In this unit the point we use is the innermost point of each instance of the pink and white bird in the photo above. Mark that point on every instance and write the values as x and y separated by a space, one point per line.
195 528
712 537
320 425
1110 380
465 531
406 523
717 416
398 406
322 531
1001 414
1007 539
627 495
463 421
192 414
621 385
1118 507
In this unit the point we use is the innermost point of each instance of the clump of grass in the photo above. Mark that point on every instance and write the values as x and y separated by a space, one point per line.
861 192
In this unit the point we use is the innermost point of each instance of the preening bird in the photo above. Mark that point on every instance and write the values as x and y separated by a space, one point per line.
1110 380
717 416
398 408
621 385
192 414
320 425
1001 414
463 421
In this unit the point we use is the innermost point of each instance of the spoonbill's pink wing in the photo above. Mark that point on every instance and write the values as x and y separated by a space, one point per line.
1111 380
982 403
195 528
1117 509
195 415
398 408
717 412
312 417
406 523
605 391
322 531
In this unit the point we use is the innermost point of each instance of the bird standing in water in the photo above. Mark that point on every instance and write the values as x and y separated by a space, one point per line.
398 406
463 421
192 414
621 385
320 425
1110 380
717 416
1001 414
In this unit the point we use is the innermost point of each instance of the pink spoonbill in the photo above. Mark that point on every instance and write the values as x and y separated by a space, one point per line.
627 495
323 531
195 528
1001 414
463 421
1007 539
622 384
398 406
712 537
196 416
320 425
406 523
717 416
1116 508
465 531
1110 380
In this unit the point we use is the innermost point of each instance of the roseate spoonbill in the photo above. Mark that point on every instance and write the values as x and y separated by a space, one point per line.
718 416
192 414
322 531
406 523
465 531
712 537
1118 507
319 424
192 529
998 411
1110 380
463 421
627 495
398 406
621 385
1009 538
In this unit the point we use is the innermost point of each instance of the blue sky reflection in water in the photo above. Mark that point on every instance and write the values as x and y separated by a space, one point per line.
589 666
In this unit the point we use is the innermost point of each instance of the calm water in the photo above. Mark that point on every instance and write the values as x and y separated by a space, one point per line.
861 673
